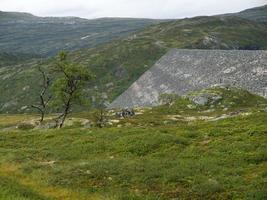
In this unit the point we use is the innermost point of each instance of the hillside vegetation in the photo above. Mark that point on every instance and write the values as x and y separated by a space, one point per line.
257 14
177 151
29 34
10 59
119 63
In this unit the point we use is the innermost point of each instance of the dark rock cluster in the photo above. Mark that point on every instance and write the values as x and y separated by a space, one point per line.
126 112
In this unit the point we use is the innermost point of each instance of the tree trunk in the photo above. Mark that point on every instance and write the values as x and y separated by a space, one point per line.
42 117
63 120
65 113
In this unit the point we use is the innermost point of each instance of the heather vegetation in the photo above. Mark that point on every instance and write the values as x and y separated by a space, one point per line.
180 150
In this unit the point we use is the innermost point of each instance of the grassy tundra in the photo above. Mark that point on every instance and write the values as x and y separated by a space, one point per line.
174 151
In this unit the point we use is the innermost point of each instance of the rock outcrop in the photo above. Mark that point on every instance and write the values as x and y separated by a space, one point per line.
183 71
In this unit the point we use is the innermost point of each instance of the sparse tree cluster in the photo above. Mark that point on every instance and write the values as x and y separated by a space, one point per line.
67 89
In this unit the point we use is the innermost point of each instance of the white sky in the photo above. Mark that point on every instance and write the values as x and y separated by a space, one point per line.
128 8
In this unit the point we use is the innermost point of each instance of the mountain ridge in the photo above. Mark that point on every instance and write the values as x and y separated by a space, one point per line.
256 14
29 34
48 35
243 13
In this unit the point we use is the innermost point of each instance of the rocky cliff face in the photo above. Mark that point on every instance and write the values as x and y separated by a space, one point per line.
182 71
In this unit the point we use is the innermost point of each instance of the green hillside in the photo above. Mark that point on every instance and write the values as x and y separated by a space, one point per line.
257 14
121 62
28 34
15 16
178 151
9 59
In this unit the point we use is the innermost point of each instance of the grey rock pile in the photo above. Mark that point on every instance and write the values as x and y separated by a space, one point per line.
183 71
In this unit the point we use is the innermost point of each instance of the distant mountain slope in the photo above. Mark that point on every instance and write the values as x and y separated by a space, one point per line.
119 63
9 17
256 14
25 33
183 71
7 59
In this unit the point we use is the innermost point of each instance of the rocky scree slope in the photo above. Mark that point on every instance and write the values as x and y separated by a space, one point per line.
183 71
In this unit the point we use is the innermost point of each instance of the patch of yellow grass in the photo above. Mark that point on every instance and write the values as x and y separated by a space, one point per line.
14 119
12 171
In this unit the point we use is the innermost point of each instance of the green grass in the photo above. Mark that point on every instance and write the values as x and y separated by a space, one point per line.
142 158
219 160
231 100
11 190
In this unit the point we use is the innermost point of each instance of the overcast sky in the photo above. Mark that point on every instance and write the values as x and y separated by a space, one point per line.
128 8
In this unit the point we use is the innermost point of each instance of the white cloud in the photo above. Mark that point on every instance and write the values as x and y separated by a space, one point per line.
128 8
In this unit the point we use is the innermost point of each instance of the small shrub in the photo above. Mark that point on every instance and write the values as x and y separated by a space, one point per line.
257 158
256 132
168 99
190 134
208 187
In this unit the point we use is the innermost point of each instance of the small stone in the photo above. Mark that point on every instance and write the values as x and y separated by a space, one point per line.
200 100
